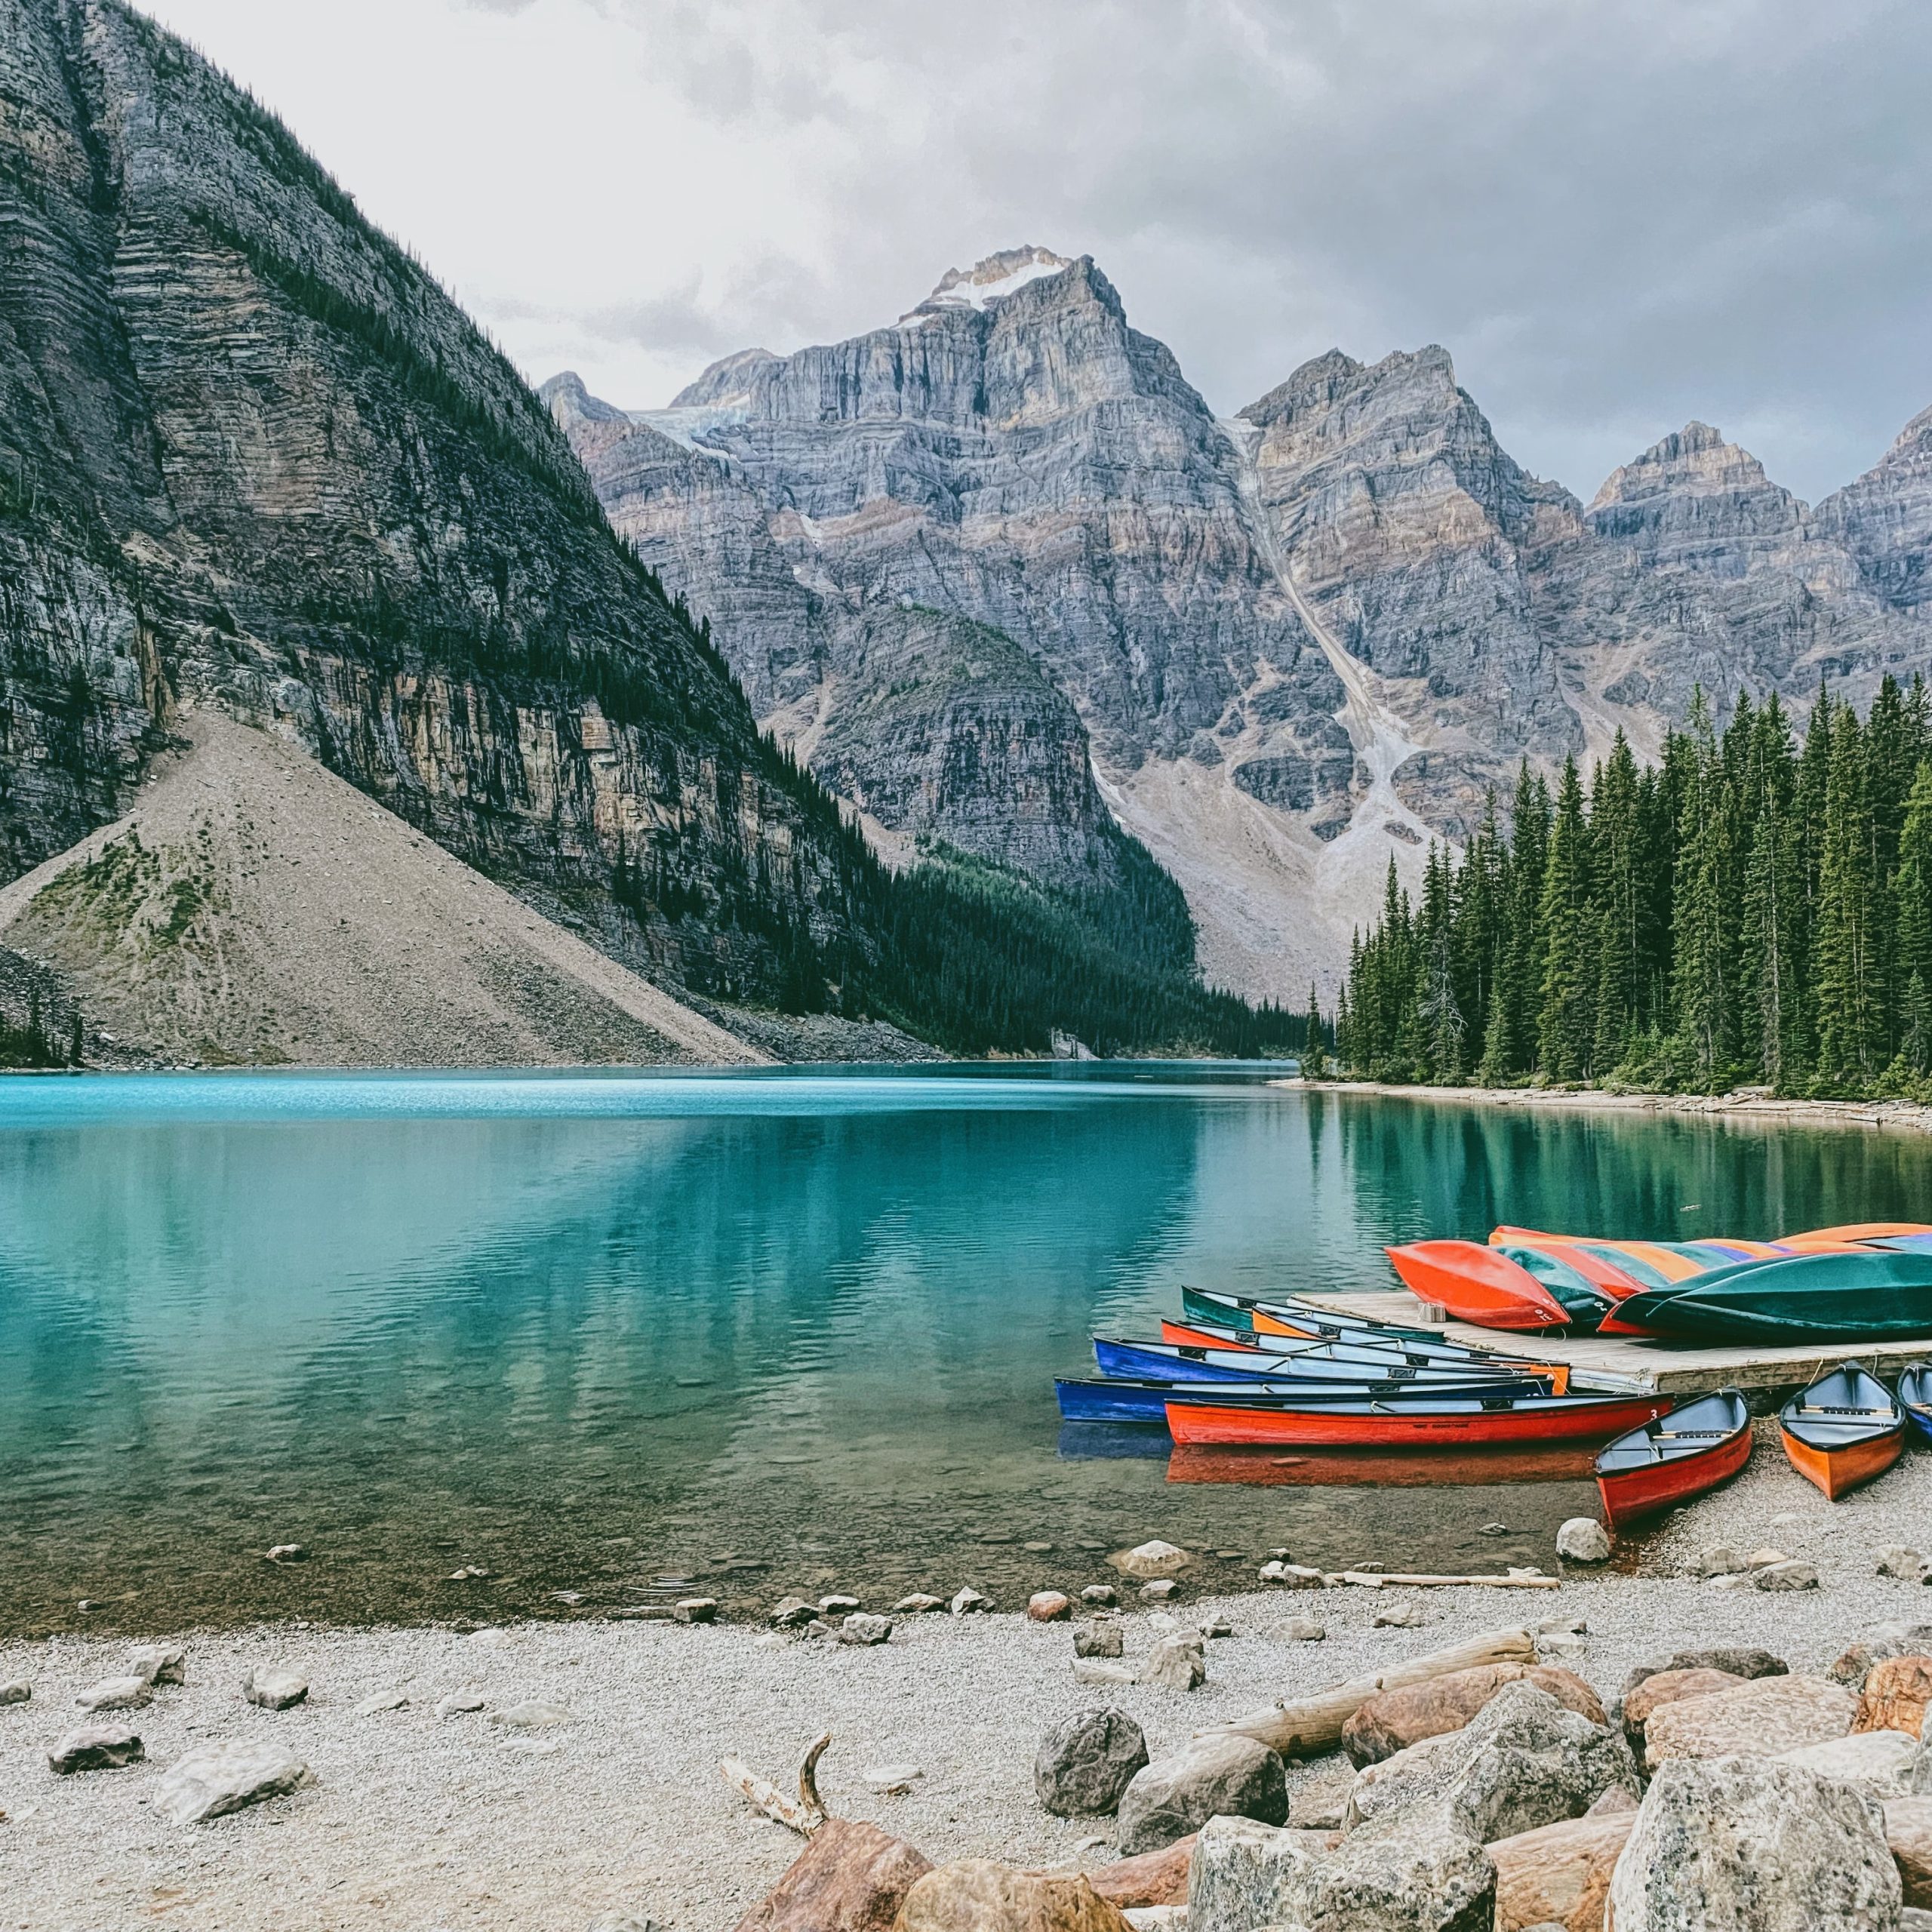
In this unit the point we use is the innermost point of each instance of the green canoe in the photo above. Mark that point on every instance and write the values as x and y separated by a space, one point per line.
1871 1296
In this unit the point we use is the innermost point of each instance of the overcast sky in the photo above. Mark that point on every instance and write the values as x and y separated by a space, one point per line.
1616 216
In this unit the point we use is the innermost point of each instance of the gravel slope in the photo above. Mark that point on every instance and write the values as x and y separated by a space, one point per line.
425 1823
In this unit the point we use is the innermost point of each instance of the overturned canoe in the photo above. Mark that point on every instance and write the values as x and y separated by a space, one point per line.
1327 1362
1864 1294
1844 1429
1238 1418
1106 1399
1515 1288
1207 1334
1678 1456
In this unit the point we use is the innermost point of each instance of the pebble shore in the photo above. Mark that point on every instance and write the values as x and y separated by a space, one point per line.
424 1821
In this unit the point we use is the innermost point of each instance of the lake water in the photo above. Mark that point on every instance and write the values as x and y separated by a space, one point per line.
633 1337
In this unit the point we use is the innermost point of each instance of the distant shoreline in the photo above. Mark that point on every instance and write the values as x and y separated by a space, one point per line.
1902 1116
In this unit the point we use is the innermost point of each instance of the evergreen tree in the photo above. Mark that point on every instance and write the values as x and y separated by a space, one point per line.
1566 1024
1844 974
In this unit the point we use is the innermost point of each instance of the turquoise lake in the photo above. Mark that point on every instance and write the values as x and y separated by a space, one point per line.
632 1337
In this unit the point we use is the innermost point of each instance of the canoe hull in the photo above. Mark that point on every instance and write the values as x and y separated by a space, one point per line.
1837 1471
1478 1283
1207 1422
1845 1295
1630 1495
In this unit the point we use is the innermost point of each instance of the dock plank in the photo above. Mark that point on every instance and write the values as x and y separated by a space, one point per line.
1619 1362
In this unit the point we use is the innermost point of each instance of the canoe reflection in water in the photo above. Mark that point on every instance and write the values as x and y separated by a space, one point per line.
1113 1441
1376 1468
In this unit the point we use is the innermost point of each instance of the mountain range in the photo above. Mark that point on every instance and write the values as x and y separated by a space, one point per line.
999 576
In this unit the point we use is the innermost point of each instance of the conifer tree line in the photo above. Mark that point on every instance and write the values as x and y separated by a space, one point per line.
1755 909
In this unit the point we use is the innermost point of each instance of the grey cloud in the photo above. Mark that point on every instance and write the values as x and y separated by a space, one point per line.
1616 217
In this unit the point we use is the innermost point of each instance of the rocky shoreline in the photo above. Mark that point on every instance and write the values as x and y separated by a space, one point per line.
568 1774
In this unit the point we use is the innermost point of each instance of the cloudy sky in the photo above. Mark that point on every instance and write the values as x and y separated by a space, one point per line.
1616 216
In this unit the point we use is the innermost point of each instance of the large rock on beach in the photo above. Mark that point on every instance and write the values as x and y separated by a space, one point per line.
1882 1762
1671 1687
1155 1878
850 1877
94 1747
978 1895
1217 1776
1758 1719
116 1694
1245 1874
1176 1662
1524 1761
215 1779
1739 1844
1895 1696
1559 1874
1583 1540
1099 1640
1395 1719
1908 1833
1738 1662
159 1663
1855 1664
275 1690
1415 1872
1085 1763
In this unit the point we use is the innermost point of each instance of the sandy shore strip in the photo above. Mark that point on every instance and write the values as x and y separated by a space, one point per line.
1751 1105
422 1821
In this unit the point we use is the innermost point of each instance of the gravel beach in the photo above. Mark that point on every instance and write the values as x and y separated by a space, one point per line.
423 1821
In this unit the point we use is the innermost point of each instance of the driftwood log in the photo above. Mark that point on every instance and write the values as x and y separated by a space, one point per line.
1310 1727
804 1815
1380 1580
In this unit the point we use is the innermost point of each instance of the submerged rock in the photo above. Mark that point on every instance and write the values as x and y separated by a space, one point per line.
1152 1560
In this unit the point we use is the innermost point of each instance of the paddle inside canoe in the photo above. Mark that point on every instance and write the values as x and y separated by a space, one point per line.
1679 1455
1844 1429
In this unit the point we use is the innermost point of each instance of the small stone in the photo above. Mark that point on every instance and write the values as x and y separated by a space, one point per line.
491 1637
859 1628
217 1779
1098 1640
970 1602
1084 1763
697 1610
116 1694
1099 1670
1763 1559
1293 1575
159 1663
295 1552
1560 1643
1153 1559
460 1704
1720 1559
275 1690
892 1780
837 1606
792 1613
1785 1575
1175 1663
818 1627
532 1717
1493 1529
1216 1627
917 1604
648 1612
1583 1540
97 1747
1303 1630
470 1573
382 1700
1036 1549
1049 1607
17 1691
1103 1594
618 1920
571 1598
1400 1617
1159 1590
1899 1560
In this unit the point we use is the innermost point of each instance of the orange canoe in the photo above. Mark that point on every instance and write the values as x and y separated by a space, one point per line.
1478 1283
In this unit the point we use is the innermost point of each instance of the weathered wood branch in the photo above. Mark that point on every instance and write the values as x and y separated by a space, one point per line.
1380 1580
1311 1726
806 1813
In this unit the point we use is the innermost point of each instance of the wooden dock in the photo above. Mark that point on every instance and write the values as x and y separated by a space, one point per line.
1617 1363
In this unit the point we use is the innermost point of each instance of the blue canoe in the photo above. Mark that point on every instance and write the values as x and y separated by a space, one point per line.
1320 1361
1146 1400
1915 1398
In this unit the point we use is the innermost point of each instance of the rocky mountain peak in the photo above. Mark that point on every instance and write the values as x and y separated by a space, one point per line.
1695 458
728 379
1692 499
994 279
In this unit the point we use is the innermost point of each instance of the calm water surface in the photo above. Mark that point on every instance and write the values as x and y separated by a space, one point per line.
632 1337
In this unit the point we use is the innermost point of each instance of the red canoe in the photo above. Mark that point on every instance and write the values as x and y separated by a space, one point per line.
1478 1283
1694 1448
1464 1421
1200 1335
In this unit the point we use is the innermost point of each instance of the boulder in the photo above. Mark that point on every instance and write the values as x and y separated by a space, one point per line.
275 1690
1245 1874
1155 1878
1320 1801
1558 1875
977 1895
1618 1801
1176 1663
1049 1607
15 1690
1303 1630
1414 1873
1879 1761
1761 1718
970 1602
1084 1763
1740 1844
1293 1576
1151 1560
862 1627
1583 1540
159 1663
849 1878
1913 1920
917 1604
1221 1775
116 1694
1524 1761
1099 1640
1719 1559
1787 1574
1895 1696
94 1747
1909 1832
1393 1720
1671 1687
215 1779
793 1613
1746 1663
1882 1640
1900 1561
